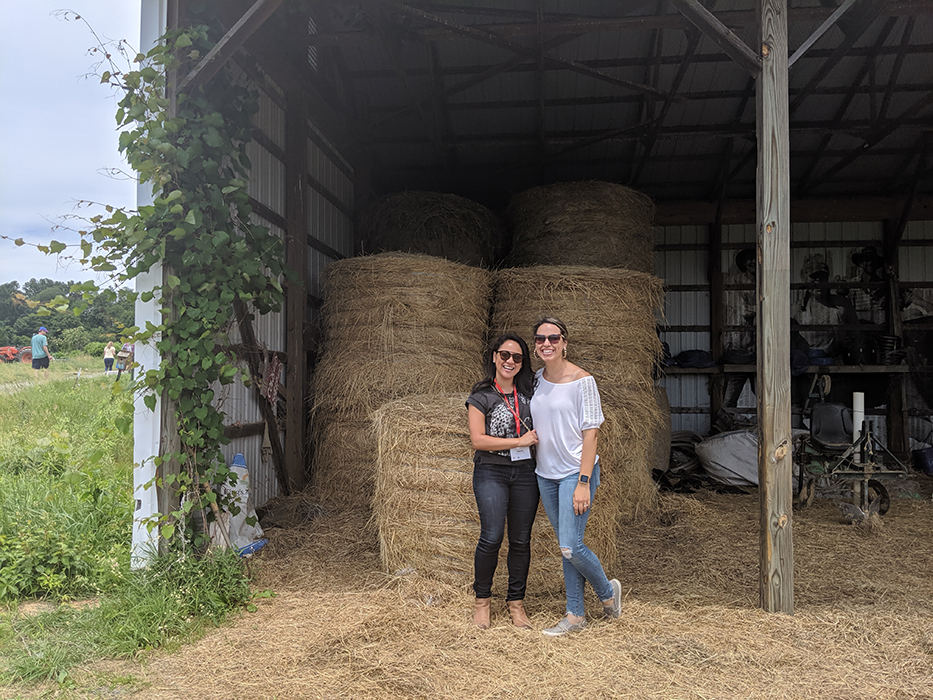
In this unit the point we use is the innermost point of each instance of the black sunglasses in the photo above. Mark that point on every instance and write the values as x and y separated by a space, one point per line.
504 355
539 339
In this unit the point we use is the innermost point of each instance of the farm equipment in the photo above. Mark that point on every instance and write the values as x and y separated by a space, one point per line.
828 452
11 353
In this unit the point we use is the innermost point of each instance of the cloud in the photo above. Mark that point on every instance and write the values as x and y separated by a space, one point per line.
57 126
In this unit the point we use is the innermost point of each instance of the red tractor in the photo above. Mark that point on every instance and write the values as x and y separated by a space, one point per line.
11 353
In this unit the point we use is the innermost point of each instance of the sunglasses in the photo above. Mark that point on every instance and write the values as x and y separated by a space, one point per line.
504 355
553 339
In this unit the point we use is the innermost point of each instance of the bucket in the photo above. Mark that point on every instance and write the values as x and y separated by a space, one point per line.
923 460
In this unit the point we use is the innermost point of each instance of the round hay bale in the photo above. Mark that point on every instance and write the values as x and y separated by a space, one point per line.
394 324
426 513
433 223
609 315
599 224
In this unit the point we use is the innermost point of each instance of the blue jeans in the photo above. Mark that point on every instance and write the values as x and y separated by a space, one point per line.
504 493
580 564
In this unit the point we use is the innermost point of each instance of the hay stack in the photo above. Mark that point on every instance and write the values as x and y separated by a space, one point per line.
609 316
594 223
611 323
424 506
393 325
432 223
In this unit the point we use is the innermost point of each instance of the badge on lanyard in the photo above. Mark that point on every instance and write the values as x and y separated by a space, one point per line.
517 454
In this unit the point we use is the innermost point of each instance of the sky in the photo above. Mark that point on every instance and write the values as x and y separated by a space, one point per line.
58 134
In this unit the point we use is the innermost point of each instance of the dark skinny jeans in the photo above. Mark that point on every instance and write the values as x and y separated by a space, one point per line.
504 494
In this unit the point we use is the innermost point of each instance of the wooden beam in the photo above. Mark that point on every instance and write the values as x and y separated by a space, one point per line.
296 298
844 106
494 40
224 49
742 211
820 31
866 13
720 34
563 27
252 357
894 77
775 464
665 108
241 430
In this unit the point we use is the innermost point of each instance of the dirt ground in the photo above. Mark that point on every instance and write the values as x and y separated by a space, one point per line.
691 627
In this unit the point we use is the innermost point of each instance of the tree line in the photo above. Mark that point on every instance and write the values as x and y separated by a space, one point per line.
23 309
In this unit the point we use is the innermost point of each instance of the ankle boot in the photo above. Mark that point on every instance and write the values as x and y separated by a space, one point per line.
481 613
517 611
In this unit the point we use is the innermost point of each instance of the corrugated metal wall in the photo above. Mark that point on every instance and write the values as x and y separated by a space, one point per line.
682 260
266 186
330 215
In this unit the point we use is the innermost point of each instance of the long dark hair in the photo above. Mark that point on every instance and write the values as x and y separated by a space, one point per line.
524 380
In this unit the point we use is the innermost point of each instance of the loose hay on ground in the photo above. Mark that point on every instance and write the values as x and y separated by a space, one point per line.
597 224
338 628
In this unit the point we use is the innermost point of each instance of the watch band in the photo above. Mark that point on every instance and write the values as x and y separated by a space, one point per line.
584 479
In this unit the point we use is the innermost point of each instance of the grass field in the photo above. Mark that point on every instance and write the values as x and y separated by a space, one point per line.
67 594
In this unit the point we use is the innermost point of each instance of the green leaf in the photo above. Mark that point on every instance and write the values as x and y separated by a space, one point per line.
167 532
171 281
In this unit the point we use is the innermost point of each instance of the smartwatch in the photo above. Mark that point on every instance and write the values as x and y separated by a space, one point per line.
584 479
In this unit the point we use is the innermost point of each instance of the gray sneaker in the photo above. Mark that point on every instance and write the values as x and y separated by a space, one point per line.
615 609
563 627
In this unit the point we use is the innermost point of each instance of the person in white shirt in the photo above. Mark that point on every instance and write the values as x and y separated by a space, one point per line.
567 413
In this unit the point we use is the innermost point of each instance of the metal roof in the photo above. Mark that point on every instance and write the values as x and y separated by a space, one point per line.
485 98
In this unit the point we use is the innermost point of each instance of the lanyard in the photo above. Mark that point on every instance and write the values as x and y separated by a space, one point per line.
518 421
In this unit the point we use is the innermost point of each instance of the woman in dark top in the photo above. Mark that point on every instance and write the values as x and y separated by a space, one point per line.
504 480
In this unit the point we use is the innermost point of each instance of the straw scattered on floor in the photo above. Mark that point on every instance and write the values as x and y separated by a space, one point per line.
340 627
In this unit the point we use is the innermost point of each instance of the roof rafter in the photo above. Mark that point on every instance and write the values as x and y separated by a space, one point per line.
844 106
720 34
499 42
735 18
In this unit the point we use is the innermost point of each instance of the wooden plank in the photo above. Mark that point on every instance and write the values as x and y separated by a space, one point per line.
842 209
252 356
241 430
775 465
296 298
495 40
820 31
720 34
224 49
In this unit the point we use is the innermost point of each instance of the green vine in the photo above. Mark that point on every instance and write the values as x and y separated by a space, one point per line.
193 154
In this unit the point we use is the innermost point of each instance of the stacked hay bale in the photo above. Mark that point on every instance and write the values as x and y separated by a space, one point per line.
432 223
611 325
424 506
393 325
593 223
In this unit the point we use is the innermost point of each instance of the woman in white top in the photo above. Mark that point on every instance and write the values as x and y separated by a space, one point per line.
110 352
567 414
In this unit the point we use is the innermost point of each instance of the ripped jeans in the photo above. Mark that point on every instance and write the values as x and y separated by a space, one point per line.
580 564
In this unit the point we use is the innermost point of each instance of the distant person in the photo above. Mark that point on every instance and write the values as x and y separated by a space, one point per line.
40 352
110 352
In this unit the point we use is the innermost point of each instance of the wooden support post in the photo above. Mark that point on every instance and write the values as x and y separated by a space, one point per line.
296 299
776 575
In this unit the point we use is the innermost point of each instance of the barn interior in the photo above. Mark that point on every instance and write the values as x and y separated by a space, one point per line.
485 100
